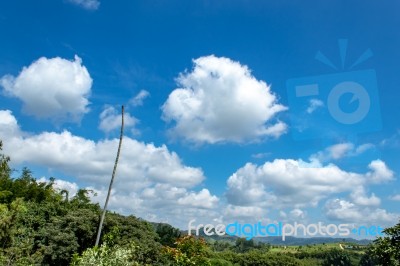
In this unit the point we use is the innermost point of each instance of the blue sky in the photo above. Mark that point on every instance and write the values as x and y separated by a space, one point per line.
214 128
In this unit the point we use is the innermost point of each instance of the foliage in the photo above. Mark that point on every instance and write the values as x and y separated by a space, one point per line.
167 234
220 262
386 250
4 160
368 259
257 257
337 257
189 251
108 254
242 245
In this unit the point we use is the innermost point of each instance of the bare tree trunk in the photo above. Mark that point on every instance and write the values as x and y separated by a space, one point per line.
112 180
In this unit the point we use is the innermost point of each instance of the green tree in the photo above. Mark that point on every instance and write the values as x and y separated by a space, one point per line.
167 234
336 257
368 259
108 254
5 180
189 251
243 245
4 160
17 239
386 250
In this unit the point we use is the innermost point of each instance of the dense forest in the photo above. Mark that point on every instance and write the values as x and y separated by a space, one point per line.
40 225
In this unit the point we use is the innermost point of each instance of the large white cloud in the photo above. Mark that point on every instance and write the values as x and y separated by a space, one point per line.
151 181
350 212
219 101
53 88
286 182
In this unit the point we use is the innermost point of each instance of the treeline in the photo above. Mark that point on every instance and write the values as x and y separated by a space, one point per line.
42 226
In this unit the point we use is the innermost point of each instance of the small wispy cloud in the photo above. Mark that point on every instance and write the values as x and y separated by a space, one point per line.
391 142
395 197
341 150
314 104
138 99
261 155
86 4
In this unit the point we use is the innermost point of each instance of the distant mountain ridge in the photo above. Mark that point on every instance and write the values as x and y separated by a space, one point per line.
289 241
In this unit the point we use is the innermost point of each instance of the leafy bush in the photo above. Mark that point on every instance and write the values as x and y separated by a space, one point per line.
189 251
337 258
107 256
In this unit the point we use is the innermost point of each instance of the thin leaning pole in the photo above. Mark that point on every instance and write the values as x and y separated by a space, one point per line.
112 180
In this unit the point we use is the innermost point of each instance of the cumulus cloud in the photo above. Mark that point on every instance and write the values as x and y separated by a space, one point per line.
360 198
346 211
244 213
151 180
380 172
139 98
8 124
110 120
287 182
53 88
221 101
202 199
86 4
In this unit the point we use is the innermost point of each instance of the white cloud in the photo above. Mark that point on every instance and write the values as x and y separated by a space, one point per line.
391 142
51 88
314 105
86 4
8 124
139 98
110 120
395 197
286 182
150 180
245 213
220 101
261 155
297 214
202 199
346 211
341 150
360 198
380 172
